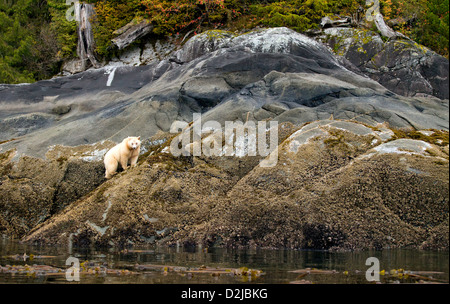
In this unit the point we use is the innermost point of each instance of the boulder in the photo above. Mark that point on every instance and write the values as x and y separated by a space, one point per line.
74 66
400 65
337 185
32 190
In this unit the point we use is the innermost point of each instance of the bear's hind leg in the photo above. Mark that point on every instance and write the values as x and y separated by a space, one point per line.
111 168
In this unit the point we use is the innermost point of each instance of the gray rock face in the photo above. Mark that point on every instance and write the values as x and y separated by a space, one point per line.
273 73
400 65
409 69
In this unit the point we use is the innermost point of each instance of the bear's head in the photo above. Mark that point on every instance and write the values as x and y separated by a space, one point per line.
133 142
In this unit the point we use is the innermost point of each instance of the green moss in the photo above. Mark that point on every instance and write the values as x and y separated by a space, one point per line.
6 155
99 197
359 37
438 137
218 34
61 160
155 155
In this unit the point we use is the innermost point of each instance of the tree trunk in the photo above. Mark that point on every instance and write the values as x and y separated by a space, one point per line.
86 45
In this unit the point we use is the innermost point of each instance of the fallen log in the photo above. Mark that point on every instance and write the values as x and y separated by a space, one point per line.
336 22
131 32
384 29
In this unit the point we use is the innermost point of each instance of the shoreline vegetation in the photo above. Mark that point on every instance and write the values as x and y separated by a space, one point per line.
36 38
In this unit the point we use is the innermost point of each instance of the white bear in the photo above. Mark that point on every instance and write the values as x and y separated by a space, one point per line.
126 151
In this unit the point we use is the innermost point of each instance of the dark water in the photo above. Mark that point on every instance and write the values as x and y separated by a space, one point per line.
24 264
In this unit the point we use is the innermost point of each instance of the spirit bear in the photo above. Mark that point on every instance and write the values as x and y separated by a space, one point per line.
126 151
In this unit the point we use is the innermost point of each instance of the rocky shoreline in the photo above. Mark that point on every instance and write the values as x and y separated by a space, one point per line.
361 164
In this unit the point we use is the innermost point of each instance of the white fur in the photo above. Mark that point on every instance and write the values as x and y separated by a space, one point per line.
126 151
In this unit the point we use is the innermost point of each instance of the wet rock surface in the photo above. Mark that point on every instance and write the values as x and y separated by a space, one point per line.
352 171
337 185
33 190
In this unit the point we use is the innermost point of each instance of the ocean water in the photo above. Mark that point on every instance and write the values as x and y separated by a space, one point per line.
21 263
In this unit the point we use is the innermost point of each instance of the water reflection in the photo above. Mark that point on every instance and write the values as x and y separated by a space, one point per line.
180 265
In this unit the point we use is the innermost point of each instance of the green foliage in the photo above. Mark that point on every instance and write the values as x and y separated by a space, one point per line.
435 29
425 21
345 7
66 30
301 15
110 16
36 37
27 42
9 74
170 16
286 13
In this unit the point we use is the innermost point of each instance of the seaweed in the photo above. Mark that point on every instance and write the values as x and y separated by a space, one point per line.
436 137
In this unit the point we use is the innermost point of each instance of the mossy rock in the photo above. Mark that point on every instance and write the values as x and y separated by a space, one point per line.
341 188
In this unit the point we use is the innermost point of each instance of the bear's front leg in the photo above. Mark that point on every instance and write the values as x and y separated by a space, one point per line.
124 164
133 161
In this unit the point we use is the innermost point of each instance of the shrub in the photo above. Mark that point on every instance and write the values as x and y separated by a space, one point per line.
302 15
27 42
170 17
110 16
424 21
